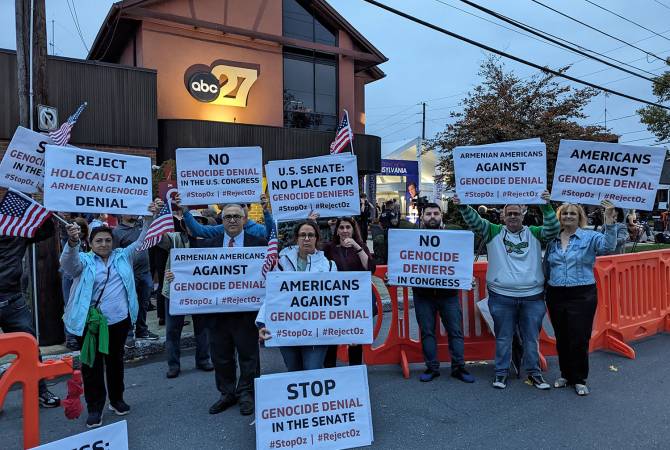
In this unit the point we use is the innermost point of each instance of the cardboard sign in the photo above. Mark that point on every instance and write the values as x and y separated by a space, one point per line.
431 258
213 280
319 308
219 175
113 437
22 167
590 172
327 408
327 185
512 172
89 181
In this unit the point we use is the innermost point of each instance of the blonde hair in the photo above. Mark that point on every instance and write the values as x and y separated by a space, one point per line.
581 214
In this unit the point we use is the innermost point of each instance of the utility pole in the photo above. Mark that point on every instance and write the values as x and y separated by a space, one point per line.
423 122
53 38
31 64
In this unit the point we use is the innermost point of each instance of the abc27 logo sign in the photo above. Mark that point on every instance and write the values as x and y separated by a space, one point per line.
225 83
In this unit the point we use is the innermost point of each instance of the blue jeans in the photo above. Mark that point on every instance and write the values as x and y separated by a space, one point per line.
15 317
144 284
304 357
508 313
451 314
173 327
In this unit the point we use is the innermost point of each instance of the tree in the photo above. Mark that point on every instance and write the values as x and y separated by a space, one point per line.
658 119
505 107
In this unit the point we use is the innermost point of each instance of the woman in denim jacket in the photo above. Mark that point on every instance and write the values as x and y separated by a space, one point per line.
571 292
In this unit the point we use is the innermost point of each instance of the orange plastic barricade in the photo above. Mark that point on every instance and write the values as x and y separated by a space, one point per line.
28 370
400 348
633 299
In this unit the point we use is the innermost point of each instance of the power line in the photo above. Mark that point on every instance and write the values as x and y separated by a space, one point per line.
510 56
555 40
596 29
73 14
617 118
626 19
392 124
402 129
662 4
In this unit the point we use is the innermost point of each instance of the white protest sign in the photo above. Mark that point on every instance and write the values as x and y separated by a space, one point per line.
326 408
22 167
89 181
213 280
318 308
511 172
219 175
440 259
110 437
327 185
589 172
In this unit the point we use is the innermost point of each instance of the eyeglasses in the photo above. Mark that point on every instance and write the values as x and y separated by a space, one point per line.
306 235
230 217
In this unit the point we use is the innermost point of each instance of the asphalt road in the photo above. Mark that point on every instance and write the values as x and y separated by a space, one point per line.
628 408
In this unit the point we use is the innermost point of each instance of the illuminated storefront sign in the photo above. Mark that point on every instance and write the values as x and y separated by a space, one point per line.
225 83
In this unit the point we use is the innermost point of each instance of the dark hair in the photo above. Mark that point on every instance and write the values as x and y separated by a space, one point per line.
356 234
97 230
411 184
83 225
312 224
432 205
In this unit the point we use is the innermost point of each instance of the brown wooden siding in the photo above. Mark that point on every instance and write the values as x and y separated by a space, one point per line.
277 143
121 111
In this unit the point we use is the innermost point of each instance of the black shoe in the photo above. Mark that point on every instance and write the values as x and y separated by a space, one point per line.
72 344
94 419
500 382
48 399
130 342
429 375
222 404
461 374
120 407
173 372
148 336
205 367
539 382
247 406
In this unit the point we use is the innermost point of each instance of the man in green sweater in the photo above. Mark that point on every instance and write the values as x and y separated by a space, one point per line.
515 283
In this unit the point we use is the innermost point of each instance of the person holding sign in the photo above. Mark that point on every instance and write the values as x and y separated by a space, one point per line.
430 301
571 293
349 252
303 257
515 283
232 332
101 309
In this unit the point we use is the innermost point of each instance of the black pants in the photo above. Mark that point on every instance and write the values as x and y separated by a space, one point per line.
230 332
572 310
355 356
111 365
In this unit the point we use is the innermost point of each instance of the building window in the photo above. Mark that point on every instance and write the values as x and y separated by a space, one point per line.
310 91
299 23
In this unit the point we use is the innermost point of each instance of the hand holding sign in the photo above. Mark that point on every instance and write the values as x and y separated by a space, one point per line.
609 213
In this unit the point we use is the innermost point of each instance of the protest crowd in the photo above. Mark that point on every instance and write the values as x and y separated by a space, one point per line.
539 259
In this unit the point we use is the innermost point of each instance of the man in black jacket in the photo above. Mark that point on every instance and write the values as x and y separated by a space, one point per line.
234 331
15 316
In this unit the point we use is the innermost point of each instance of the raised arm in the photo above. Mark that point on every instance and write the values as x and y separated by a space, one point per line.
472 218
69 259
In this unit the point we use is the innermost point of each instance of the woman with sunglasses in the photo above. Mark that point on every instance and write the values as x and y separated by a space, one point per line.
302 257
571 292
350 253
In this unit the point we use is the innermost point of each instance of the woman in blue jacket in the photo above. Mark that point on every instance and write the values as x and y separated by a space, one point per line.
571 293
100 311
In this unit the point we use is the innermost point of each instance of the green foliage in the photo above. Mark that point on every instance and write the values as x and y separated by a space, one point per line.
658 119
504 107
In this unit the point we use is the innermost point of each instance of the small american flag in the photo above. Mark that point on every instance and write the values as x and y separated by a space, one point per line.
272 255
163 223
343 136
20 215
62 135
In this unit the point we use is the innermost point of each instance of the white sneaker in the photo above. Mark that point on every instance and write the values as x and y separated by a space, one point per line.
560 382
